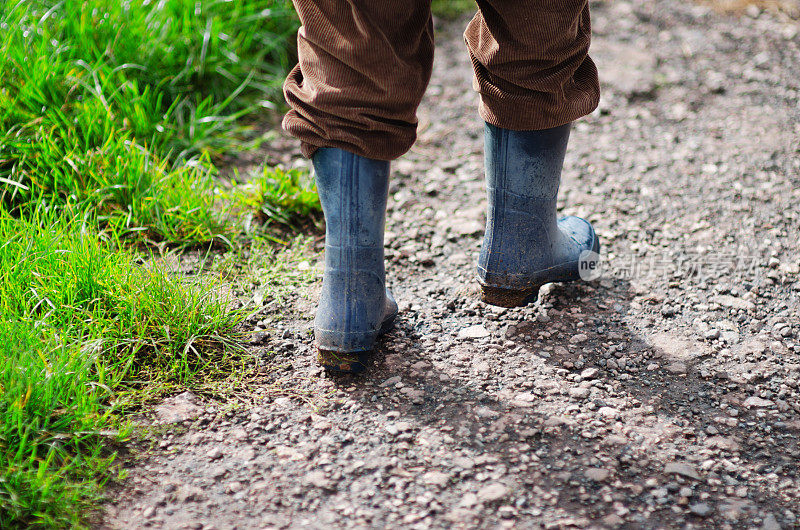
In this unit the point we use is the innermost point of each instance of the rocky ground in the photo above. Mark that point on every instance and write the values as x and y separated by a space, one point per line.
666 394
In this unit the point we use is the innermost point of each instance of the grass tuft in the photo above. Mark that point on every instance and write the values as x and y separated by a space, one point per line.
81 324
283 197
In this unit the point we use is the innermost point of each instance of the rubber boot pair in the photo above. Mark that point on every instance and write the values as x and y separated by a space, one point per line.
525 245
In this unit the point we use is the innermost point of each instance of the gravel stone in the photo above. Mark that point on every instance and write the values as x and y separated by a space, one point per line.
770 523
597 474
177 409
492 492
755 401
701 509
734 302
682 469
473 332
676 368
436 478
318 479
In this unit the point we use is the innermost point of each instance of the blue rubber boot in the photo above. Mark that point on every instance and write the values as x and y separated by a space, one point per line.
525 245
354 307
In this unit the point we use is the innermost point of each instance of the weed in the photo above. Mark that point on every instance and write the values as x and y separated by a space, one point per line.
287 198
269 272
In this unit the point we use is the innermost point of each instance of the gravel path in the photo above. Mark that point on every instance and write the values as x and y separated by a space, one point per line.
666 394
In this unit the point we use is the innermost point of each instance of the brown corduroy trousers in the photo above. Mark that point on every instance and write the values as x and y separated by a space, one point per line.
364 66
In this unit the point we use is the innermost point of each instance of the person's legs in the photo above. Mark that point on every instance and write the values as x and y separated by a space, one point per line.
363 69
534 76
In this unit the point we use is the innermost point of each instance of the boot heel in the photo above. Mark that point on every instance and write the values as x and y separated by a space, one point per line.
508 297
343 362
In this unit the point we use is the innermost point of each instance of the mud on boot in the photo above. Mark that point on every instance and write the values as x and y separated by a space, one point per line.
525 245
354 307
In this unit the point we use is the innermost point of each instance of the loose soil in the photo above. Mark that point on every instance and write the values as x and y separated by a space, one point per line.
665 394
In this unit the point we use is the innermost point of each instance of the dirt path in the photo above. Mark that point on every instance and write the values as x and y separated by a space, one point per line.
664 395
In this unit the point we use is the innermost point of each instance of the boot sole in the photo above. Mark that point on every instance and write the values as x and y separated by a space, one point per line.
504 297
350 362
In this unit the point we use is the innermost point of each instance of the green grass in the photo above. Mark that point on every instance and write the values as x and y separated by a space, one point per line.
450 9
287 198
122 105
112 116
52 420
81 326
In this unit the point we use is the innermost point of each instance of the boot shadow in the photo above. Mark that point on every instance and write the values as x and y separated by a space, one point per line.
604 409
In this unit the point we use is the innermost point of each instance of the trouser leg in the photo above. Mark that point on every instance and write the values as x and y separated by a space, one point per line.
363 68
531 62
